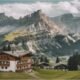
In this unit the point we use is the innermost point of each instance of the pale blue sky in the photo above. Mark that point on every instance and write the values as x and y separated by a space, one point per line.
26 1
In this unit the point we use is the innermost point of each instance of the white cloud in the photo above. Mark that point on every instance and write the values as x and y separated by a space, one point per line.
67 6
20 9
51 9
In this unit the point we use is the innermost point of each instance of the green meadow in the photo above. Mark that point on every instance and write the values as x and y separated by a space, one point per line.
41 75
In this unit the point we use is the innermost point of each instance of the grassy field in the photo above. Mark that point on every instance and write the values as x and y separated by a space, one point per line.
57 75
12 75
41 75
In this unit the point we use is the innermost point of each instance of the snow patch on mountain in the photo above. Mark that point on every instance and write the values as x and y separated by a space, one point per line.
30 46
69 38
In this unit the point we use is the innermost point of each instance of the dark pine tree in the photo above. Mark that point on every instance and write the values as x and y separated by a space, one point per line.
8 48
4 48
57 60
46 60
73 62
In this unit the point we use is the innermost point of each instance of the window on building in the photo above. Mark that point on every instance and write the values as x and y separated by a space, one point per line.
18 62
0 62
7 58
7 62
20 67
2 67
3 62
5 67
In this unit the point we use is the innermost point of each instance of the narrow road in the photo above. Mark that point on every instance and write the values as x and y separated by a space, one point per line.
33 74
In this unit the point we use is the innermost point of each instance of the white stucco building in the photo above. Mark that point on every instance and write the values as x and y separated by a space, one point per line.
15 61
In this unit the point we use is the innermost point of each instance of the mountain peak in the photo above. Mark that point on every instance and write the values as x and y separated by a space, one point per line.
2 14
36 22
38 14
35 16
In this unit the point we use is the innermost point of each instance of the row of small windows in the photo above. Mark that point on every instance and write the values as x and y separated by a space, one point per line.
4 67
4 57
24 67
21 62
4 62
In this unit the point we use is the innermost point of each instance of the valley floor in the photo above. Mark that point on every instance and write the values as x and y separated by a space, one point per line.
41 75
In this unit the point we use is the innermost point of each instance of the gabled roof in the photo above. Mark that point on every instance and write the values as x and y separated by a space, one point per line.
17 53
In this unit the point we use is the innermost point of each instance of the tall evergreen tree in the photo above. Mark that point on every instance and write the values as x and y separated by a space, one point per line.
8 48
4 48
46 60
73 62
57 60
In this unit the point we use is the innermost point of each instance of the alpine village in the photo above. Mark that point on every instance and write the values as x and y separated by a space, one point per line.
39 44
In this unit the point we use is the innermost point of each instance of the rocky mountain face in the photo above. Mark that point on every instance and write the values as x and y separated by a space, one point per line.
5 20
71 22
39 34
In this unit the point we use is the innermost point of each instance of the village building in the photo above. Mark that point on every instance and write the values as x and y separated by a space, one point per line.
61 67
44 65
15 61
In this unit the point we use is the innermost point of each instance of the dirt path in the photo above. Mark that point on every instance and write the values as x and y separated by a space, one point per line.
35 77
